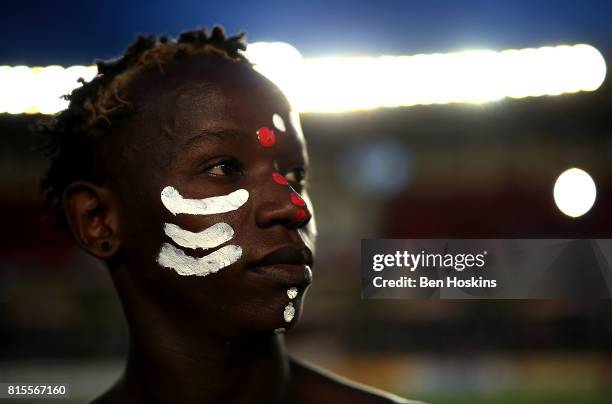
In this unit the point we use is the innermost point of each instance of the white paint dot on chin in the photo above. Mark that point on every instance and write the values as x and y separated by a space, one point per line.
289 312
292 292
278 122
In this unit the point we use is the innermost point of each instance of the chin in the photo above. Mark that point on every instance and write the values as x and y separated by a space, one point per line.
274 316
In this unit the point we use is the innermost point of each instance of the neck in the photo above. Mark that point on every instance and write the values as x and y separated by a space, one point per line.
161 374
174 360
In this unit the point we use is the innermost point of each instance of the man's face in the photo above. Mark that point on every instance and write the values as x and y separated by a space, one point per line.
216 225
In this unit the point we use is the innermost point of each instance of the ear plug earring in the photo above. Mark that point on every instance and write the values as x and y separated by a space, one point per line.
105 246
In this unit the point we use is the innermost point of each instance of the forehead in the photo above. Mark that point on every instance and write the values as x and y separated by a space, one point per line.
187 100
207 92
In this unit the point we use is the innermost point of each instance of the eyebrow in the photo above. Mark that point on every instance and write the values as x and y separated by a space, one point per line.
208 135
205 136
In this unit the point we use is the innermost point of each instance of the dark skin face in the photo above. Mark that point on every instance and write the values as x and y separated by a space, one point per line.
196 130
208 147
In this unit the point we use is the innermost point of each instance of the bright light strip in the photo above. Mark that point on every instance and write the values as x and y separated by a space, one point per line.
336 84
38 89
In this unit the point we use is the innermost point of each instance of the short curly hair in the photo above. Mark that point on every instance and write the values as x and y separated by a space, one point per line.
70 137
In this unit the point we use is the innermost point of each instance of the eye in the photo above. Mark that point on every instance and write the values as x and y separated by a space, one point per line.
297 177
224 168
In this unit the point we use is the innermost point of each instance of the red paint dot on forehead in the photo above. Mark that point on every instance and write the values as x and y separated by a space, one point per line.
279 179
266 137
297 200
301 214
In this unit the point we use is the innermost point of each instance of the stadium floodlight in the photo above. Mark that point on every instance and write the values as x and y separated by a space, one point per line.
336 84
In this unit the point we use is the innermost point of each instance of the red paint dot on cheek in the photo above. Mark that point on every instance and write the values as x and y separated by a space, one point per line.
266 136
297 200
301 214
279 179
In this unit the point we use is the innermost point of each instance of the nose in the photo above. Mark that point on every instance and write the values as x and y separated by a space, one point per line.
280 204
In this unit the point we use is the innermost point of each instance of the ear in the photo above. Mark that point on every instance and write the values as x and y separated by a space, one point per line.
92 215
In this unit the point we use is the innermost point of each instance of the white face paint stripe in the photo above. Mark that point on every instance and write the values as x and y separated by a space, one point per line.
278 122
175 203
210 237
174 258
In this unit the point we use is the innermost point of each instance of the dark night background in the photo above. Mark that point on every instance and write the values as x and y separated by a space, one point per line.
76 32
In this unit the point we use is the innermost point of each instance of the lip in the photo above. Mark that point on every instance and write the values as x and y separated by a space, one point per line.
287 265
288 254
286 274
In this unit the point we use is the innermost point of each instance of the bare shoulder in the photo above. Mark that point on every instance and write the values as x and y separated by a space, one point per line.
315 385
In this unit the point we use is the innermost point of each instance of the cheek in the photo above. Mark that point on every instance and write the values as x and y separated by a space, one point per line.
184 254
140 230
